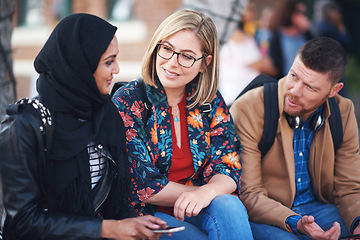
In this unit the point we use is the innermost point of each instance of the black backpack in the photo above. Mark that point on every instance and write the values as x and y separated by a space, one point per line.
45 127
271 114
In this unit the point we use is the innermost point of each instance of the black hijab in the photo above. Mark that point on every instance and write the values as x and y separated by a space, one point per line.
66 85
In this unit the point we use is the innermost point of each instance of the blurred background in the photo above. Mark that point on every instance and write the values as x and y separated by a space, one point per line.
33 20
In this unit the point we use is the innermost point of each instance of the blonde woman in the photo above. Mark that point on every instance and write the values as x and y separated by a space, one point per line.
185 155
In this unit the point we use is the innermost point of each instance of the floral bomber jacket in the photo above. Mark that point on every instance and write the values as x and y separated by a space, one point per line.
213 142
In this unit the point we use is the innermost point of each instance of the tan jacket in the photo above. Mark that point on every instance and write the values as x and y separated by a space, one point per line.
268 185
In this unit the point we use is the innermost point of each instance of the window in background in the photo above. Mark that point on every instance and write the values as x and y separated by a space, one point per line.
120 10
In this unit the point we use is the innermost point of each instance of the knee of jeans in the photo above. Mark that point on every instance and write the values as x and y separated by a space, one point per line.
230 202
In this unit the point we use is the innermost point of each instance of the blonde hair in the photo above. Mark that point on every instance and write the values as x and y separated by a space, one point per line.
205 30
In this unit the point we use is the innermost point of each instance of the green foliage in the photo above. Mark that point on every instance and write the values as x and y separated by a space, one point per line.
353 74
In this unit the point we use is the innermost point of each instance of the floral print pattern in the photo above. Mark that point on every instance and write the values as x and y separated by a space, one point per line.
195 119
214 145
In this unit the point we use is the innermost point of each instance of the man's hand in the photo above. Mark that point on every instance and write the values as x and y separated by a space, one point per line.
306 225
132 228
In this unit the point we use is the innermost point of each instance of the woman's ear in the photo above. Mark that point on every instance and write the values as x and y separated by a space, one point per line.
208 60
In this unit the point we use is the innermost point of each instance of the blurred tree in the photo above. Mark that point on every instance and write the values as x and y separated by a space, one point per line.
351 17
7 79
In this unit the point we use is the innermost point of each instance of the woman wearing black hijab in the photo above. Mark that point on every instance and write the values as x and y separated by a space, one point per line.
77 188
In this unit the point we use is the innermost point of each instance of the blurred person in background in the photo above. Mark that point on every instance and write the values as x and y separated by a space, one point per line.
331 25
241 60
263 32
290 30
225 14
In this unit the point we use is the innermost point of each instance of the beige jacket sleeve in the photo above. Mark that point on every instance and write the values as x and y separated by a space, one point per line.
347 166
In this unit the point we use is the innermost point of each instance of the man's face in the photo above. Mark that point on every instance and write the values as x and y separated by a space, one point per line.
306 90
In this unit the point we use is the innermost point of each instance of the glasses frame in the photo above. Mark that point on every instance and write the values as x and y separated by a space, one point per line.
177 53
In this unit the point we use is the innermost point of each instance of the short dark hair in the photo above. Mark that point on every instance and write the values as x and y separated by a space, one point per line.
324 55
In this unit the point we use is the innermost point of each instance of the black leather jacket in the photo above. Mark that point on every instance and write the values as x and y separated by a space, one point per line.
21 159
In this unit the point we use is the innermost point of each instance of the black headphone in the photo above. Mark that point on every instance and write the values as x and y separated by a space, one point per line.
316 121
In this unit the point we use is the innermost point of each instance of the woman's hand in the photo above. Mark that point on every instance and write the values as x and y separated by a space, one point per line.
132 228
190 203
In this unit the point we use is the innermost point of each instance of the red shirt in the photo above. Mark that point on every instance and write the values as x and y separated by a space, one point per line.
182 166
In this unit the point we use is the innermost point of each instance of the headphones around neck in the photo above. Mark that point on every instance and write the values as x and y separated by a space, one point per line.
316 121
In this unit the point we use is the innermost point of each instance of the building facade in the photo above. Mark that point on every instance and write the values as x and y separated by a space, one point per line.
34 20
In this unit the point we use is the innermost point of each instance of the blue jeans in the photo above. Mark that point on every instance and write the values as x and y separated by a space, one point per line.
325 215
225 219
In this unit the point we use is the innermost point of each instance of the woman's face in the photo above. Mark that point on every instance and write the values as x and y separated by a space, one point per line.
108 65
171 74
300 19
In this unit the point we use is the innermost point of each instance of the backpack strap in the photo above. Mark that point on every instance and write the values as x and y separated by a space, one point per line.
116 86
206 107
271 116
46 131
271 120
143 95
45 116
258 81
335 121
145 99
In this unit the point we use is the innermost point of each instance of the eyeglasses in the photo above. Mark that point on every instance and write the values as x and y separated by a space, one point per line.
184 59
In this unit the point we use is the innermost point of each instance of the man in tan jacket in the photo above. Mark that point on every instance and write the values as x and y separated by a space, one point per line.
301 188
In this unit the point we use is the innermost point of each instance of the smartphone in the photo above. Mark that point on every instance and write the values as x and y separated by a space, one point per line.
356 236
169 229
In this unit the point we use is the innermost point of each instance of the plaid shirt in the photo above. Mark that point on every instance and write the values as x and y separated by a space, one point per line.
301 143
304 194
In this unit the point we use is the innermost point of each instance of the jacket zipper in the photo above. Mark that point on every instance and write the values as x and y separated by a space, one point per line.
102 202
99 149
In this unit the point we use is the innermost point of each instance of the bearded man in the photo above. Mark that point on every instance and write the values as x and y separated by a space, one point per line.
302 187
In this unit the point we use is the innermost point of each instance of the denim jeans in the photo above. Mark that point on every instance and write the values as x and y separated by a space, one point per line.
224 219
325 215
